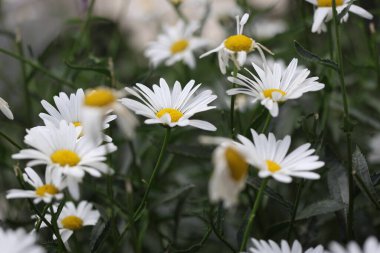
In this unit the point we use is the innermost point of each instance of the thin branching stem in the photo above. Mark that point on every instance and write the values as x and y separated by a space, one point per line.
232 109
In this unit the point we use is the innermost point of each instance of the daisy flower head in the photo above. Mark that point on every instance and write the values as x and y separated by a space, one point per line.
274 85
177 43
261 246
51 189
371 245
324 12
270 157
236 47
97 104
61 149
19 241
171 108
4 108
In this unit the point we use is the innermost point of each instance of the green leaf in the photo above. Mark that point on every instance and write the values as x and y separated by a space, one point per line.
99 233
101 70
175 194
345 10
319 208
193 151
307 55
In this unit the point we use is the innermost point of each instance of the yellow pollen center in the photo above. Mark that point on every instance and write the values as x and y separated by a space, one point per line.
175 115
273 166
46 189
329 3
99 97
77 123
268 92
179 46
72 222
238 43
65 157
236 164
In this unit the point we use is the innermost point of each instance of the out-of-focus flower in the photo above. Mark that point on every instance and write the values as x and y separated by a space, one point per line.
275 7
371 245
267 28
52 188
270 156
18 241
272 247
324 12
4 108
177 43
275 85
236 47
171 107
374 155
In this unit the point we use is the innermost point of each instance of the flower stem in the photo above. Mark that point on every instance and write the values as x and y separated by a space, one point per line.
266 124
232 111
6 137
348 127
295 208
252 215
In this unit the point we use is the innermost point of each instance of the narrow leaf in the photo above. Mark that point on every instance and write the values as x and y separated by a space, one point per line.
319 208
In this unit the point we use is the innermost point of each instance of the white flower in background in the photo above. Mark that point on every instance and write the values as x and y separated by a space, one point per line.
60 148
270 157
272 247
230 171
236 47
324 12
267 28
374 155
171 107
97 104
371 245
177 43
4 108
74 218
19 241
275 85
52 188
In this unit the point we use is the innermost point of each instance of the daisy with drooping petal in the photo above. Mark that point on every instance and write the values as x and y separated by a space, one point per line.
274 85
261 246
371 245
52 188
4 108
97 104
324 12
60 148
171 107
176 44
236 47
19 241
270 156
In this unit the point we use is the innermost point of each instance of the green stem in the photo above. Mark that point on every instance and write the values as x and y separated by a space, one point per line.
232 111
266 124
347 126
294 211
54 219
6 137
252 216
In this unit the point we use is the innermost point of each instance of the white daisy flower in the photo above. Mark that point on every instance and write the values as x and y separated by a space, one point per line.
272 247
371 245
19 241
60 148
74 218
4 108
270 156
275 84
52 188
324 12
236 47
171 107
177 43
97 104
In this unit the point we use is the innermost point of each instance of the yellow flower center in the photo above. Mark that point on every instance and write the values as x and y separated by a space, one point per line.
99 97
65 157
179 46
329 3
268 92
175 115
72 222
273 166
46 189
238 43
236 163
77 123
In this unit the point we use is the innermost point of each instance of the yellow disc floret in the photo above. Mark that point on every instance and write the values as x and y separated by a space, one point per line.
179 46
236 163
273 166
329 3
46 189
72 222
77 123
175 115
65 157
238 43
268 92
99 97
